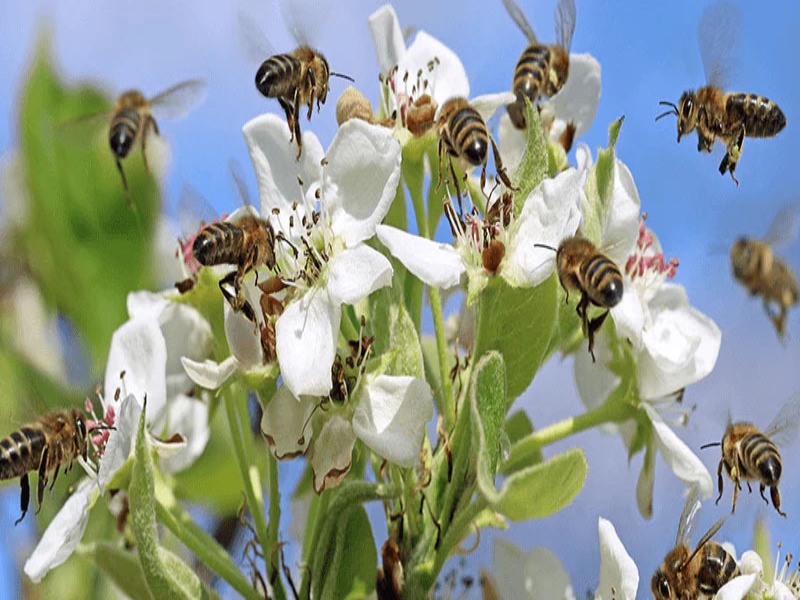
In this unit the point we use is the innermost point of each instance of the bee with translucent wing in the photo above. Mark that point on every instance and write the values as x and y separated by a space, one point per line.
542 69
714 113
748 454
687 574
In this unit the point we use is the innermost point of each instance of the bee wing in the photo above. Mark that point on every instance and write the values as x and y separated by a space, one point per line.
194 211
302 17
785 226
237 174
718 36
565 23
690 509
84 128
706 537
786 424
515 12
254 41
176 101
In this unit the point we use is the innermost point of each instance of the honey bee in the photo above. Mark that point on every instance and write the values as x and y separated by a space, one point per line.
57 438
762 273
714 113
751 455
247 242
543 69
463 135
687 574
582 267
133 116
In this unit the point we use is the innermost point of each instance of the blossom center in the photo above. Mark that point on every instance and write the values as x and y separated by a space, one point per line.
407 99
481 239
647 263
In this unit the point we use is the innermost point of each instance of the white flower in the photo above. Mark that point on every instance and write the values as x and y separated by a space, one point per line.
323 257
575 104
550 213
388 413
147 349
539 573
785 584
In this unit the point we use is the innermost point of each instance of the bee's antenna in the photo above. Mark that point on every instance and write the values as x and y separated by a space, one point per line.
710 445
342 75
545 246
673 110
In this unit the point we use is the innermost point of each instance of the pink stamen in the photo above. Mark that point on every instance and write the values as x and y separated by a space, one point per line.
638 264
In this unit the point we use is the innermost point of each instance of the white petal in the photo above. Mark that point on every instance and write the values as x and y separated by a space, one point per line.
512 143
146 304
243 338
187 334
434 263
593 379
551 213
306 343
621 229
534 574
189 418
120 440
209 374
488 104
583 159
644 485
285 423
360 179
781 591
618 572
354 273
275 162
751 563
578 99
387 37
682 344
391 417
683 462
736 589
63 534
332 453
628 316
138 348
448 78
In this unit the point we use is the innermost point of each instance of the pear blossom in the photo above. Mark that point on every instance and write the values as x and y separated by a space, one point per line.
539 573
785 584
144 361
575 105
322 210
550 213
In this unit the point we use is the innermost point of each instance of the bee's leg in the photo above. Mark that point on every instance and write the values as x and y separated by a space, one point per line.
594 325
122 174
41 484
236 300
289 110
776 499
750 489
780 322
296 120
458 187
24 497
312 84
734 152
441 154
150 121
736 486
762 487
719 481
501 170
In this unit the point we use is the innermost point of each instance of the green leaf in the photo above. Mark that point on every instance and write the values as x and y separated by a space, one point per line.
517 427
166 575
557 160
122 567
543 489
534 165
518 323
358 558
488 406
404 356
599 186
86 244
762 545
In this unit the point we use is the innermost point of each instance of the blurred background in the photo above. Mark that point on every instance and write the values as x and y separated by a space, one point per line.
648 52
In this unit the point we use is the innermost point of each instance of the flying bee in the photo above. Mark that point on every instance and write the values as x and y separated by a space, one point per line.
463 136
714 113
543 69
133 116
762 273
687 574
57 438
749 454
582 267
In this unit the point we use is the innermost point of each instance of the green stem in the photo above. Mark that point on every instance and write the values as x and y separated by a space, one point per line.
312 540
448 401
204 547
274 506
523 450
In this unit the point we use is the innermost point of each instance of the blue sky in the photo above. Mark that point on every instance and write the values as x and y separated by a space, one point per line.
648 52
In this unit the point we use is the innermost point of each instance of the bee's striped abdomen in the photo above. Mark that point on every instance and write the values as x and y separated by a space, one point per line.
277 76
761 116
602 281
761 458
21 451
531 73
469 135
219 243
123 131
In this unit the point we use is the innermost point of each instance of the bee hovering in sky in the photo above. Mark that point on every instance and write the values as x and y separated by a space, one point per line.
133 116
713 112
748 454
543 69
582 267
764 274
56 439
688 574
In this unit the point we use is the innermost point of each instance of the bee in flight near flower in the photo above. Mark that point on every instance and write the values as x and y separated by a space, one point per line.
714 113
582 267
748 454
57 438
764 274
687 574
543 69
133 116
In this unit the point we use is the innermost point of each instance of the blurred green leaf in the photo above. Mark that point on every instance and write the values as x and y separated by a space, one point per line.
404 356
85 244
488 405
534 165
518 426
762 545
122 567
599 186
518 323
358 557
